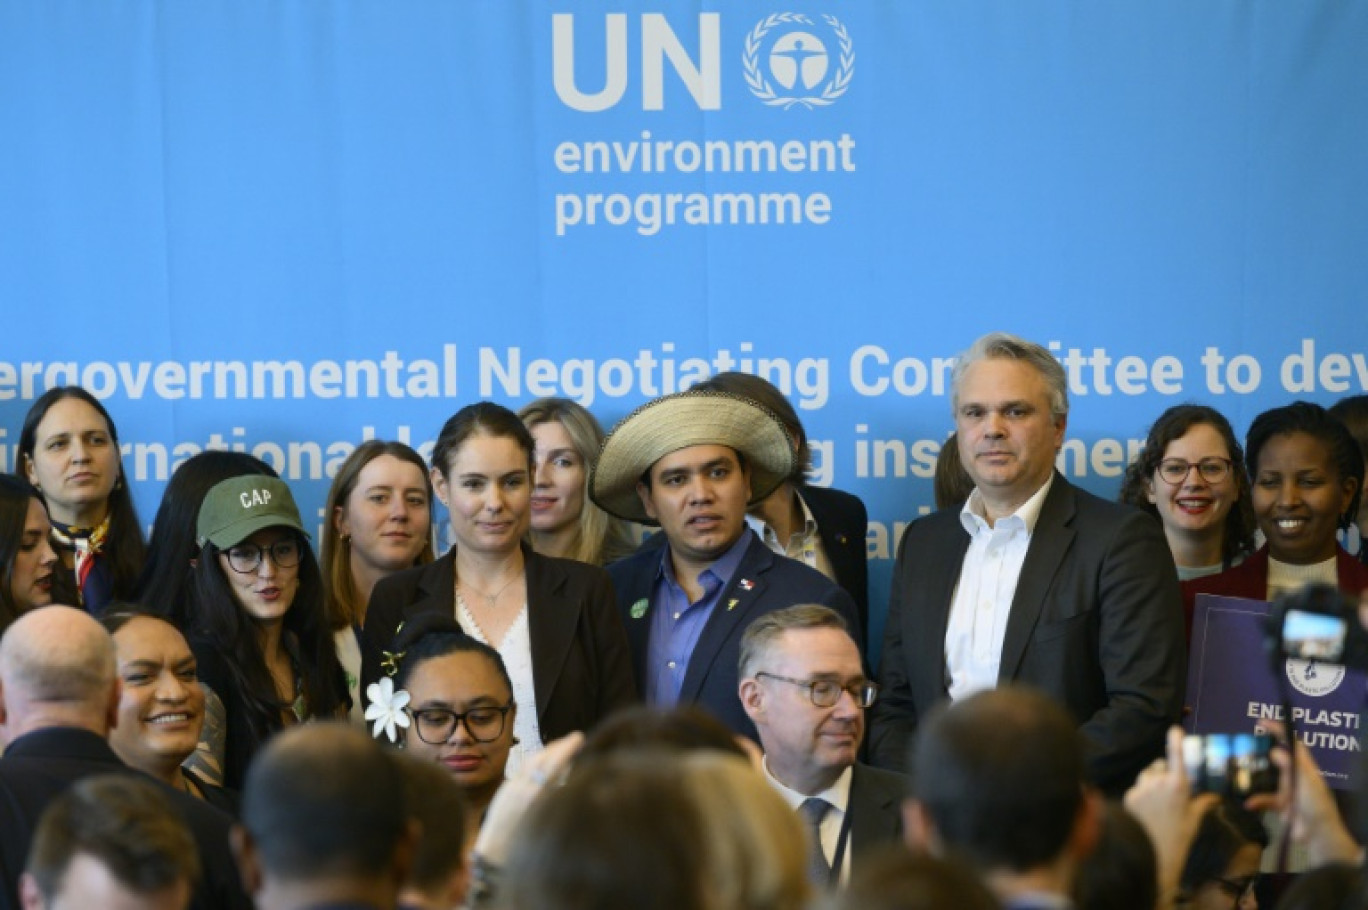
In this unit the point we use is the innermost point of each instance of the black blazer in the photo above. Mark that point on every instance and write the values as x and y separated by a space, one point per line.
40 765
581 667
843 524
1096 622
876 819
772 582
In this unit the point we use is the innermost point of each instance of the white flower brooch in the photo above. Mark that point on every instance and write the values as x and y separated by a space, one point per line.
388 707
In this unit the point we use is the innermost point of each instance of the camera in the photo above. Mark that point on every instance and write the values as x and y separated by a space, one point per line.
1234 765
1317 624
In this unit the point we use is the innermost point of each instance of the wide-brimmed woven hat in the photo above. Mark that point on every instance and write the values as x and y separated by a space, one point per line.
675 422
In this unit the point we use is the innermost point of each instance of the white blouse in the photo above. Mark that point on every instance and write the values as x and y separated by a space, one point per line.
516 651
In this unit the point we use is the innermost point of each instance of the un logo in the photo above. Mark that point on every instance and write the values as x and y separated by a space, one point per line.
791 59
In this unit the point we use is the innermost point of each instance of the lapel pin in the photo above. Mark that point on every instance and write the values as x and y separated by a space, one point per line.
731 604
745 584
639 608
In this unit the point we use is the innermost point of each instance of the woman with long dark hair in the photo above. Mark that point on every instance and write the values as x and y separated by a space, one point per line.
69 450
257 625
168 575
27 561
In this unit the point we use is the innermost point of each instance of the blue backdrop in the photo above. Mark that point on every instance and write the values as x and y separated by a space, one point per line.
285 226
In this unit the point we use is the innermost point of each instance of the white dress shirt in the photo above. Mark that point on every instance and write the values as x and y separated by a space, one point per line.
838 797
983 596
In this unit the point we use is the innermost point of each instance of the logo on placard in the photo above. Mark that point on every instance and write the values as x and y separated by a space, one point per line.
793 59
1311 677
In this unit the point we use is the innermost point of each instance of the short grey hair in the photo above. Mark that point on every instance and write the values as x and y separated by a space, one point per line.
1002 346
762 633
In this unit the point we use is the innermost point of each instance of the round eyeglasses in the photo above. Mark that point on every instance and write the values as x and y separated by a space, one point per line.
246 557
484 724
826 692
1175 470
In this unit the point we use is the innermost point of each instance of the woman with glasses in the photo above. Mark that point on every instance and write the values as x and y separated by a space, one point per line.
256 625
460 706
1191 476
1307 475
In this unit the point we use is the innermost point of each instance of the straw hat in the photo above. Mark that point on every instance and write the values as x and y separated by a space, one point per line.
675 422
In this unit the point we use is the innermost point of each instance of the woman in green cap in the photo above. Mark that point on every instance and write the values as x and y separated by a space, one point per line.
257 625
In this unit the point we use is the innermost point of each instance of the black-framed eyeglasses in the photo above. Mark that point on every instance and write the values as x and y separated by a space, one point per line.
1175 470
826 692
484 724
246 557
1238 888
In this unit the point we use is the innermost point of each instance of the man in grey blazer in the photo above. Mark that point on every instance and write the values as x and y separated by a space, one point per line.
803 685
1033 581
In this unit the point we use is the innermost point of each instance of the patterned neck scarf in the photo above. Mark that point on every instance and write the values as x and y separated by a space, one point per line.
93 574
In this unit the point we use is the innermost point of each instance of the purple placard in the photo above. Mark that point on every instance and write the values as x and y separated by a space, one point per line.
1231 687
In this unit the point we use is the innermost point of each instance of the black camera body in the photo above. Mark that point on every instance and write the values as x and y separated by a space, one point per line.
1317 623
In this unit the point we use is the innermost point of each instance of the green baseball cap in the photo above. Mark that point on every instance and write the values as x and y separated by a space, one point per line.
237 508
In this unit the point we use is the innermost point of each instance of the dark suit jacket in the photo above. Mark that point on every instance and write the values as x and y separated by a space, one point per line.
38 766
842 524
876 819
1096 622
772 583
1250 579
581 667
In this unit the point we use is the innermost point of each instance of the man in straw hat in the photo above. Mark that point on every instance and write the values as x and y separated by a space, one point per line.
691 463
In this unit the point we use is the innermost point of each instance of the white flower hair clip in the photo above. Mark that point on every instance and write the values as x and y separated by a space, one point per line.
388 707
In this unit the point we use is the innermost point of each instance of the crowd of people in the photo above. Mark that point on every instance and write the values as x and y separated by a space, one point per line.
552 716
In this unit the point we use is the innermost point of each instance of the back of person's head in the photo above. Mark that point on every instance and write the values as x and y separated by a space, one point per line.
1122 871
894 879
1000 776
323 802
438 804
685 728
57 668
952 484
1338 886
767 395
697 831
1353 413
166 579
110 840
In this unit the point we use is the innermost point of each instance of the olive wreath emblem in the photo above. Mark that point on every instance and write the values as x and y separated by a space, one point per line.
761 87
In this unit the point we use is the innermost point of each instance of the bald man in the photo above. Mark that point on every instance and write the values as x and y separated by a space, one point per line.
59 696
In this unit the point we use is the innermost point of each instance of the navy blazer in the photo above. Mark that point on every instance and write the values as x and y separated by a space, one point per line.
772 583
1096 622
843 525
581 669
40 765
